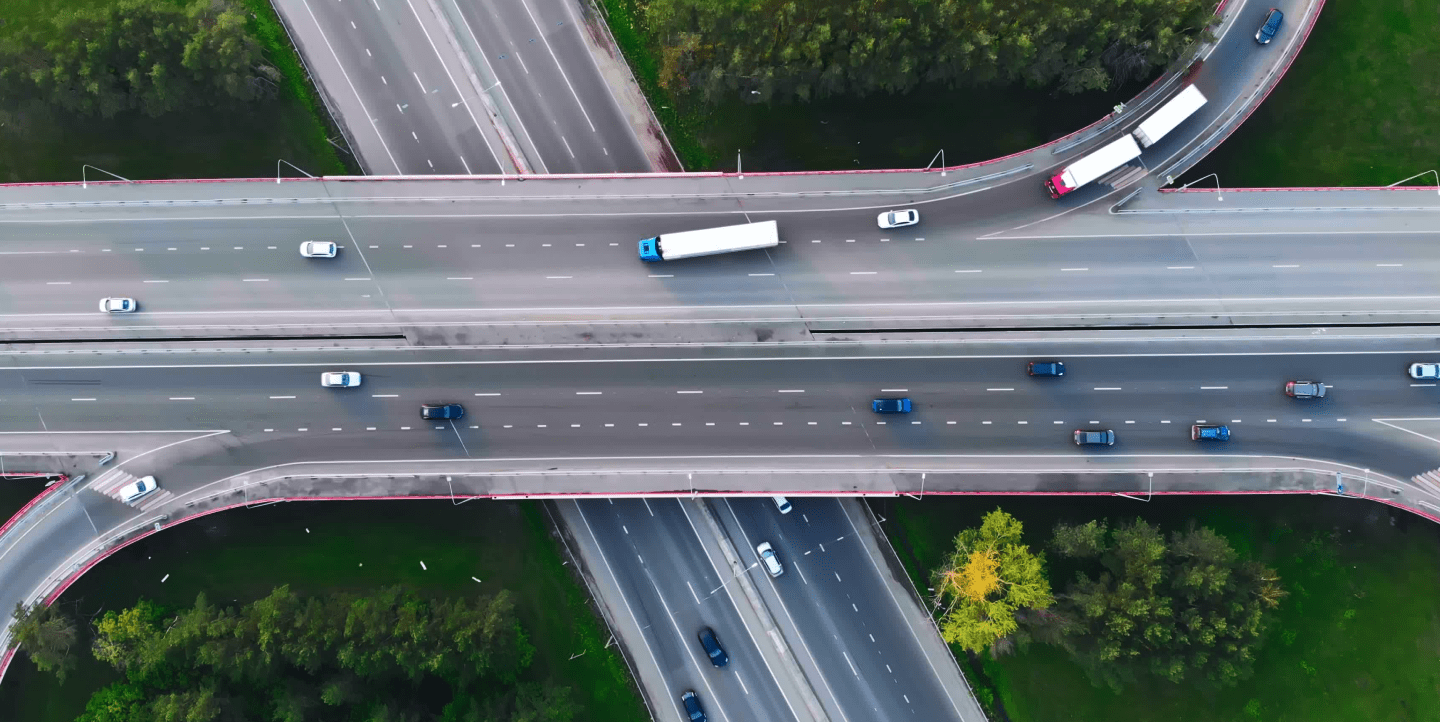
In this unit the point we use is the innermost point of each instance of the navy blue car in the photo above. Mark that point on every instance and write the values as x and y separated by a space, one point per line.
692 706
717 654
1267 31
1046 368
442 411
891 406
1200 432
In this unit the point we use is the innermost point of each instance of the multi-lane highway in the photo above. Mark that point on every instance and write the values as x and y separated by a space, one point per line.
449 88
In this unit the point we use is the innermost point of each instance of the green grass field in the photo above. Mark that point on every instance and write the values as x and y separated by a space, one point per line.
1357 639
41 145
1358 107
242 554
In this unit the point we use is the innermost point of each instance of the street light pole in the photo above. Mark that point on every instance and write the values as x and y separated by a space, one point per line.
1417 175
1218 195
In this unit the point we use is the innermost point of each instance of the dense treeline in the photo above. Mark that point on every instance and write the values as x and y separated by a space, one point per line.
1186 607
145 55
391 656
786 49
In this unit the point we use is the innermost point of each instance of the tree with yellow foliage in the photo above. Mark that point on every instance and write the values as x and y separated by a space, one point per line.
989 577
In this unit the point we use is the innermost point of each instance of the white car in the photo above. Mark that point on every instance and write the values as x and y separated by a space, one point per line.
318 249
768 558
118 305
899 219
138 488
782 504
340 379
1425 372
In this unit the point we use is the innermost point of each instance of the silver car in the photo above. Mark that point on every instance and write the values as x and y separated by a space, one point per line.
899 219
118 305
768 558
340 379
318 249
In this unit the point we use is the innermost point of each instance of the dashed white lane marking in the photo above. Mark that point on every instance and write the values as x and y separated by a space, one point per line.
1269 421
1339 419
817 241
1422 384
1285 265
282 397
182 398
970 270
357 279
896 391
558 278
1179 268
255 280
1305 420
416 137
1022 423
790 391
489 393
385 396
1107 388
460 278
1129 422
863 273
689 392
57 283
154 281
987 423
1213 388
762 274
999 389
1388 265
1074 269
567 146
369 428
1234 421
336 428
813 423
589 393
667 275
91 399
1166 421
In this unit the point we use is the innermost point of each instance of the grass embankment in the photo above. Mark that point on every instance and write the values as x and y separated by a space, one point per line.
44 145
240 555
880 131
1357 639
1357 107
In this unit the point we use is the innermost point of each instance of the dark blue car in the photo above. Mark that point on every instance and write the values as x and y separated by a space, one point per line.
717 654
1046 368
890 406
1199 432
442 411
1267 31
692 706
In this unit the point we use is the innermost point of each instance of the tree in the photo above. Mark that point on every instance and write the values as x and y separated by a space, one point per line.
1187 609
145 55
764 49
990 576
46 635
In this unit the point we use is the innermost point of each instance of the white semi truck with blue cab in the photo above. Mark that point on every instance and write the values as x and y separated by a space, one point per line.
709 241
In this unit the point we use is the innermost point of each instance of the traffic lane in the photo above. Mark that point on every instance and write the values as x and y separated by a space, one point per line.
700 594
615 146
530 82
650 556
417 99
841 603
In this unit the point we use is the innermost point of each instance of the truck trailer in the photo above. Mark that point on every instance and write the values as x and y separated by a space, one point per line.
709 241
1093 166
1171 114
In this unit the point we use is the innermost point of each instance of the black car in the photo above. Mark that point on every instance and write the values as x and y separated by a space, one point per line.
692 706
442 411
1270 27
718 657
1046 368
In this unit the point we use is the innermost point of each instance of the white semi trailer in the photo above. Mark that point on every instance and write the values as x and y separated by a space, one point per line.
709 241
